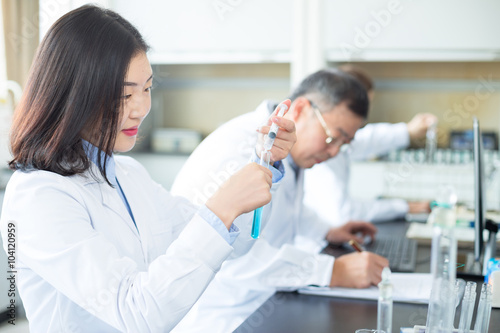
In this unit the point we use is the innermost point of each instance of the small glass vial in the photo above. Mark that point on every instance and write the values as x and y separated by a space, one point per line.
441 311
384 311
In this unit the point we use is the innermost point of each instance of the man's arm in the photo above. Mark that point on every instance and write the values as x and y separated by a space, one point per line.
376 210
378 139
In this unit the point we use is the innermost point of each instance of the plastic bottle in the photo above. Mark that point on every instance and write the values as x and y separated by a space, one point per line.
384 310
441 311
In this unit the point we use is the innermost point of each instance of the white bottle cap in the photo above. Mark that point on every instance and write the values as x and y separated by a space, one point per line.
385 286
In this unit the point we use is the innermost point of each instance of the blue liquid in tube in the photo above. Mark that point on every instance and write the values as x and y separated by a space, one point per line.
265 157
257 215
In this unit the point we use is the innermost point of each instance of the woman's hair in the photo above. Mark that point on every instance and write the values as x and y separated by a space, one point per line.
74 91
331 87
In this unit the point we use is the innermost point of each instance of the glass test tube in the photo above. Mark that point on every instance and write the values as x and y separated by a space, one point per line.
265 157
483 310
467 307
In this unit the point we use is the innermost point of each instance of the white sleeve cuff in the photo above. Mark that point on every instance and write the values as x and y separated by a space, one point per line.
216 223
402 132
277 169
324 269
207 244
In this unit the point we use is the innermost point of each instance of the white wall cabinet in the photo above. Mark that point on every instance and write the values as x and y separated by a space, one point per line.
212 31
244 31
405 30
200 31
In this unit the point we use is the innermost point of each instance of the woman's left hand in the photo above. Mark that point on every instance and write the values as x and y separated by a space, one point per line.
285 138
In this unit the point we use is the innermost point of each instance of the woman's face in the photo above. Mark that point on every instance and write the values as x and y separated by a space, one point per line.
136 101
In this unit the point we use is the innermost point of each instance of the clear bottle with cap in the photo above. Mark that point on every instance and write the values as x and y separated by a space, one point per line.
384 310
440 315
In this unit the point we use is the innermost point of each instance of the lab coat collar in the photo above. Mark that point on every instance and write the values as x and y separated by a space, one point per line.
294 166
141 228
265 108
271 106
92 152
109 195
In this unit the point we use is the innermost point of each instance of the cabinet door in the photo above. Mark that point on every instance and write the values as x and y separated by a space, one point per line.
412 30
212 30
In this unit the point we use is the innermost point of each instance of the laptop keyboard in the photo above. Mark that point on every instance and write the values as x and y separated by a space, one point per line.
400 251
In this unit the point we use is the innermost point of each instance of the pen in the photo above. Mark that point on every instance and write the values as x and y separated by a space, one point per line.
355 245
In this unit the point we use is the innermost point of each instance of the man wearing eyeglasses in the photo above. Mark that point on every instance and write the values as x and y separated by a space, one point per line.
326 186
328 107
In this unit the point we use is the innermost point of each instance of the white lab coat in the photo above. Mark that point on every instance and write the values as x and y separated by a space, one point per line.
82 266
259 267
327 184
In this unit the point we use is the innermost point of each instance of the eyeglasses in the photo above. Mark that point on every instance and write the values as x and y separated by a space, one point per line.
330 139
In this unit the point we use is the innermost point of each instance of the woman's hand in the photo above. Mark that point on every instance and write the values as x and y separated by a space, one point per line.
246 190
285 138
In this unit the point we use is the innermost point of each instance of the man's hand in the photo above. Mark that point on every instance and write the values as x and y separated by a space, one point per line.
285 138
416 207
358 270
350 230
418 125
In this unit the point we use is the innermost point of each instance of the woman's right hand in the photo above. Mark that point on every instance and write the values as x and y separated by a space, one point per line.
246 190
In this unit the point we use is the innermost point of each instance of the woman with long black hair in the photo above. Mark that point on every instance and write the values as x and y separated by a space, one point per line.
99 246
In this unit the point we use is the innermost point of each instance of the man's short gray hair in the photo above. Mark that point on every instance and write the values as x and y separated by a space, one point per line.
330 87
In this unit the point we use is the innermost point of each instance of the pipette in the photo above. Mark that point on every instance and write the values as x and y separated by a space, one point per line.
273 131
265 157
